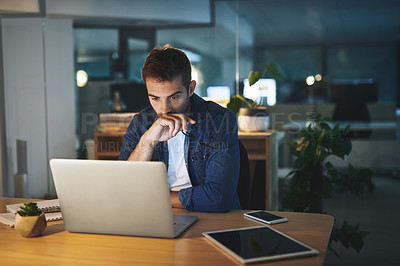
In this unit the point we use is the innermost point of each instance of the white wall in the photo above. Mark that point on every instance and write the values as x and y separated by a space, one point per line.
2 128
2 159
1 170
60 89
39 96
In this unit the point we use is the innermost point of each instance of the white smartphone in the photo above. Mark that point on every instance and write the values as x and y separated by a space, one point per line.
265 217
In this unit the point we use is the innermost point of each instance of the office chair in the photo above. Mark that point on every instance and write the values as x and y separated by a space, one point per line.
243 188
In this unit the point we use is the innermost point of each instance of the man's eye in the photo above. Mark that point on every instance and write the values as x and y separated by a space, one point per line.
174 97
155 99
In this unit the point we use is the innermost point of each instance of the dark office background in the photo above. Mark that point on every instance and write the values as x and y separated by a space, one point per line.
353 44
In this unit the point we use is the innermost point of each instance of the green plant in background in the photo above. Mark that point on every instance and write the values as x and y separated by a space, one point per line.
254 76
313 178
30 209
238 101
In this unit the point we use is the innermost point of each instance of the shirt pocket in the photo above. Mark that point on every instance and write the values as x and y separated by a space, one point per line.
198 156
198 164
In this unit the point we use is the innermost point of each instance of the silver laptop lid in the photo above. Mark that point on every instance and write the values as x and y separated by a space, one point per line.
114 197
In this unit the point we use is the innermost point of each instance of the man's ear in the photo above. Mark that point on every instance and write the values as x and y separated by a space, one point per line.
192 87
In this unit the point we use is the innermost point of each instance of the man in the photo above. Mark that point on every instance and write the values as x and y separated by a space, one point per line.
196 139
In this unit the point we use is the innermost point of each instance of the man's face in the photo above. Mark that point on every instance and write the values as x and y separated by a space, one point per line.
169 96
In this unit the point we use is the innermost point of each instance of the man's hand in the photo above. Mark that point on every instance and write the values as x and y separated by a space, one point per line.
163 129
166 127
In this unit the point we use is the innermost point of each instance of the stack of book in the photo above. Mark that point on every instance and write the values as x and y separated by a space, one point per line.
114 122
51 209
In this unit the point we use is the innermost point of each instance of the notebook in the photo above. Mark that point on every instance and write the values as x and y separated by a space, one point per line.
116 197
50 207
9 218
45 206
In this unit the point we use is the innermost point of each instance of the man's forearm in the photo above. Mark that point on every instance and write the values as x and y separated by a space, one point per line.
142 152
175 200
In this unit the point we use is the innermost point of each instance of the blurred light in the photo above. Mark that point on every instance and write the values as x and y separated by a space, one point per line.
310 80
263 88
219 92
115 55
318 77
198 77
195 75
81 78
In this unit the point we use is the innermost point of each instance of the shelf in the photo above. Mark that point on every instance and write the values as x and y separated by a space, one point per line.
107 146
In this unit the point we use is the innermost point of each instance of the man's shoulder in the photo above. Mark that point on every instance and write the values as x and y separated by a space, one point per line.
146 113
143 120
221 115
214 118
213 109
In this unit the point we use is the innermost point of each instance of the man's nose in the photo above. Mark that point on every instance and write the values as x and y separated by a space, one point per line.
165 107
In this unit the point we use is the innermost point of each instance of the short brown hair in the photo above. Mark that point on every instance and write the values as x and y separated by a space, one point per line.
166 64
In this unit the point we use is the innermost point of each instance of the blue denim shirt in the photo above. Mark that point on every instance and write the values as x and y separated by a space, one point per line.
211 155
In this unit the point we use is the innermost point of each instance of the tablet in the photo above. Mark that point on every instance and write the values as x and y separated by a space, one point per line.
260 243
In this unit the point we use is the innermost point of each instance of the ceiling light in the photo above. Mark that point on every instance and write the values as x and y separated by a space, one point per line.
81 78
310 80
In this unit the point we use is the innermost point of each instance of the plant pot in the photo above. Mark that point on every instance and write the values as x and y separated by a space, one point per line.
253 120
260 111
30 226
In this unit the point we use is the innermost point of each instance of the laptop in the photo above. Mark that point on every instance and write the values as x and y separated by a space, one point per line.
116 197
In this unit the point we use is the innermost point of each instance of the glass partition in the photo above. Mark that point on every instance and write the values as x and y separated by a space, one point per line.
329 44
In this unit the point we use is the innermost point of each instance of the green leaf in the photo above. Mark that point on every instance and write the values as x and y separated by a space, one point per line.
234 104
244 100
346 130
325 126
336 129
354 235
254 77
272 68
30 209
347 147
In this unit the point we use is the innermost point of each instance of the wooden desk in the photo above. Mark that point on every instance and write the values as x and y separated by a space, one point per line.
59 247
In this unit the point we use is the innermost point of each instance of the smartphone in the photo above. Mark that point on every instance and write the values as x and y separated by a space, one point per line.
265 217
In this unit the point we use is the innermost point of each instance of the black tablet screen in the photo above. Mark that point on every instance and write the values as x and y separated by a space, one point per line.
258 242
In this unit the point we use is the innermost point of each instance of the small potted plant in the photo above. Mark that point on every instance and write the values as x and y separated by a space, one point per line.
251 115
30 221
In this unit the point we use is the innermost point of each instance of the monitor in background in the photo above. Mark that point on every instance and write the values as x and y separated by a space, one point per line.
264 88
218 93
